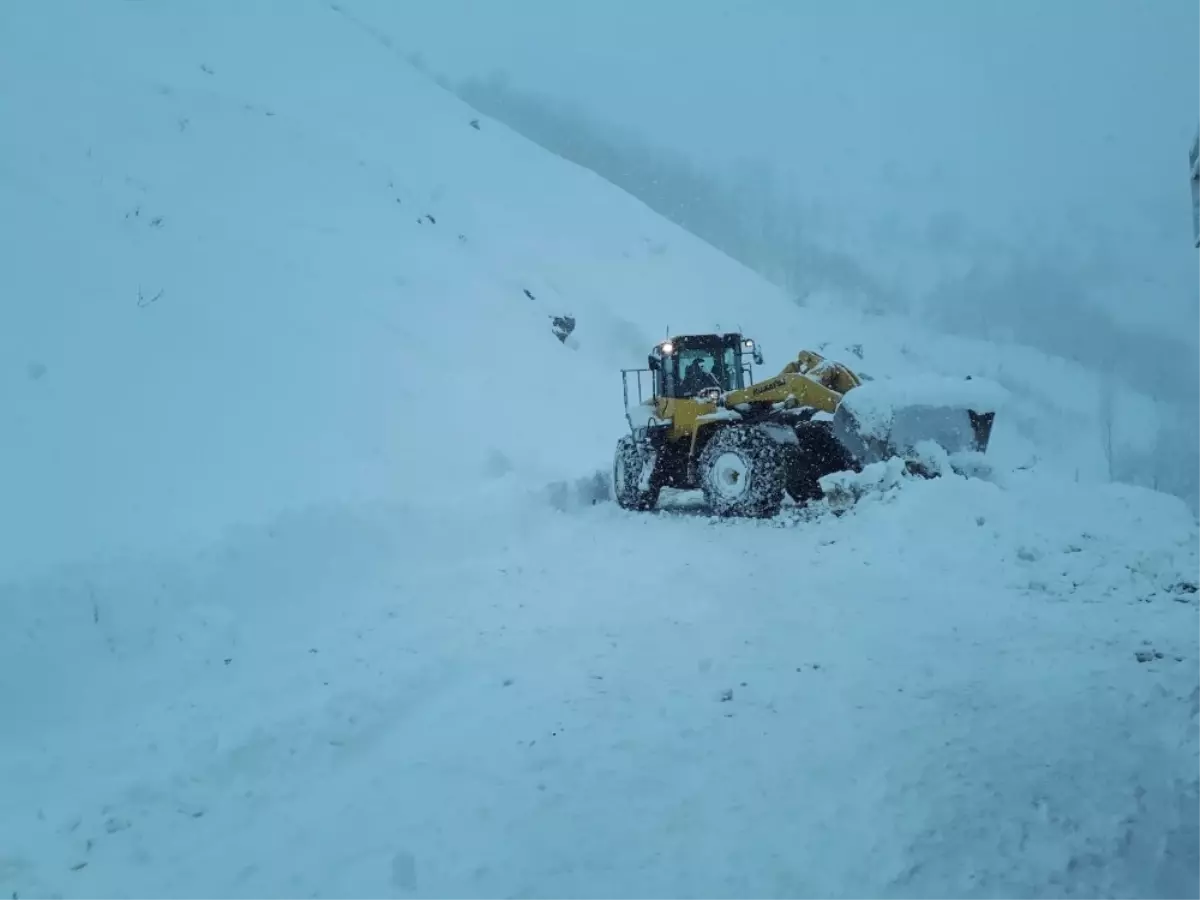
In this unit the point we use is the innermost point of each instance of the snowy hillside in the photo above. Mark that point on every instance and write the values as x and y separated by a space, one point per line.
239 284
303 591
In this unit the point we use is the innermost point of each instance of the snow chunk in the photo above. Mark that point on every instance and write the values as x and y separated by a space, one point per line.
782 434
932 457
877 477
720 415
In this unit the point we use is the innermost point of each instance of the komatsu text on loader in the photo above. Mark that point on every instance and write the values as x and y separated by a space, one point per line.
703 423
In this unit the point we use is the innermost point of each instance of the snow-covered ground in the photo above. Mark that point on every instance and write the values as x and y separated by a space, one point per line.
937 694
303 591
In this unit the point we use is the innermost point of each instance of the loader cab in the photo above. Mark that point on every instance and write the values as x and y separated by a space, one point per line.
693 365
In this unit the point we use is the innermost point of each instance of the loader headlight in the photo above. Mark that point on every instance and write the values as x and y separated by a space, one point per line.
667 348
754 350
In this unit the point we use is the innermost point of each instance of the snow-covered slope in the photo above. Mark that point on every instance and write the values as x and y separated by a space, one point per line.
301 597
239 281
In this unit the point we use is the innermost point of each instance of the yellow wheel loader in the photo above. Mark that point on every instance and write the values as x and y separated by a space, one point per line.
703 422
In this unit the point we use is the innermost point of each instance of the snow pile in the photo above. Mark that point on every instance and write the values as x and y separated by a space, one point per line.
843 489
927 459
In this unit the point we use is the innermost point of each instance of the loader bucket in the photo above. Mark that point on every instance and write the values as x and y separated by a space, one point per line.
880 420
955 429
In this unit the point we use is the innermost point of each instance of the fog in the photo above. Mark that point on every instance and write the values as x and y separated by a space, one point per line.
953 131
1016 171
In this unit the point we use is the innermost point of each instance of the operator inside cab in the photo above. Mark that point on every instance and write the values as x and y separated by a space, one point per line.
695 376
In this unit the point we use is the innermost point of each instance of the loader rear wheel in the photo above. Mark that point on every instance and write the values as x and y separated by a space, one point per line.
742 472
634 486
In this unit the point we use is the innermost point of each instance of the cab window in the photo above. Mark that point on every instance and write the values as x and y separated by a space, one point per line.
689 371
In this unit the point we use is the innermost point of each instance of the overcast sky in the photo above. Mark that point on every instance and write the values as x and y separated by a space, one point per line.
1050 124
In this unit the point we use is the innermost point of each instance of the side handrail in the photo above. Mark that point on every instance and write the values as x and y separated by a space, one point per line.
625 373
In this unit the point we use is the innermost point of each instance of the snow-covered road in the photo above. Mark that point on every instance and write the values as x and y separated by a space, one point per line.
931 695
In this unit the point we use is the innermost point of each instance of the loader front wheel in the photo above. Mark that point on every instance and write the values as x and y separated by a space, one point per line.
742 472
816 454
803 483
636 481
